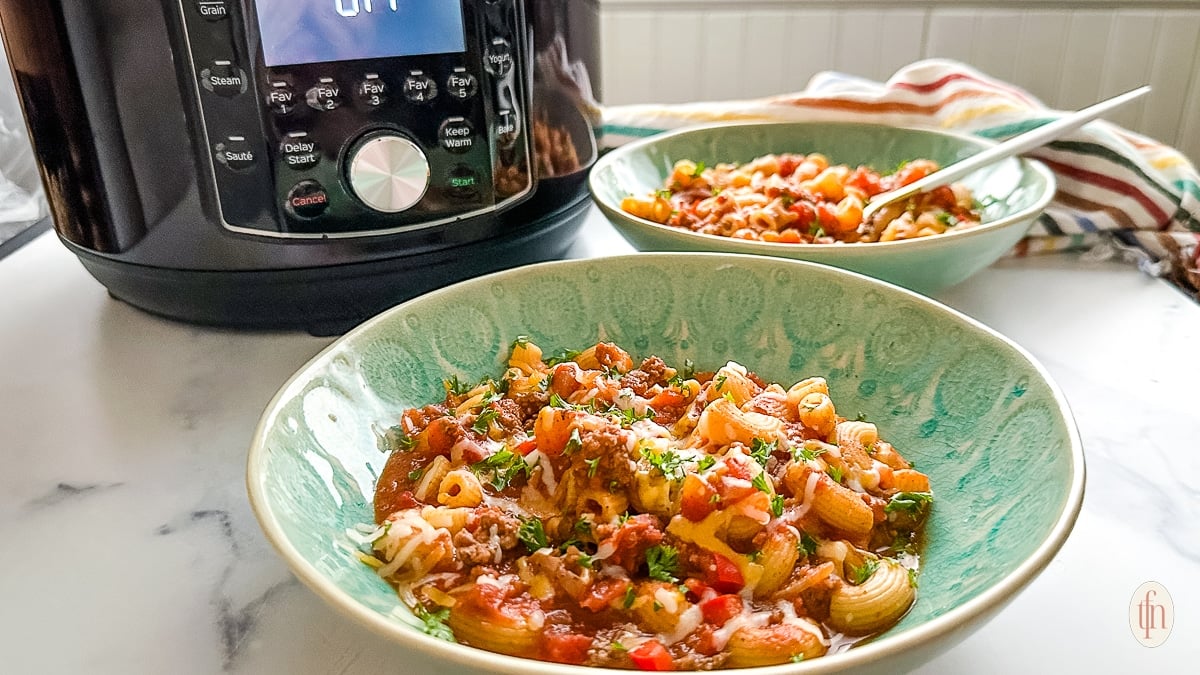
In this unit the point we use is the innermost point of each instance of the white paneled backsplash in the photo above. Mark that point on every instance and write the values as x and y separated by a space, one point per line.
1067 53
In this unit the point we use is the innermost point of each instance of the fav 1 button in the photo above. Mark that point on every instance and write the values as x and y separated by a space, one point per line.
498 58
281 99
372 90
419 87
457 135
326 95
235 153
213 10
461 84
299 152
506 128
223 79
462 182
307 199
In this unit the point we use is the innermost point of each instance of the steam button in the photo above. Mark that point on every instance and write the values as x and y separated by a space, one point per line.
419 87
307 199
498 58
236 153
457 135
299 152
326 95
281 99
223 79
461 84
213 10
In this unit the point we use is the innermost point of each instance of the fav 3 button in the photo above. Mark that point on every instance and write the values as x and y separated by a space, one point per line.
299 152
223 79
307 199
236 153
457 135
372 90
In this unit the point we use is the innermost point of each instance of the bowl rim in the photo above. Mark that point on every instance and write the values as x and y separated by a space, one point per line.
622 218
990 600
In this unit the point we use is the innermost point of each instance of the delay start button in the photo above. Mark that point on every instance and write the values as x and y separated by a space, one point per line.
307 199
298 151
457 135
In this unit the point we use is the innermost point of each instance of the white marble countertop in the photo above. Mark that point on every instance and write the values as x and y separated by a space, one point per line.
129 546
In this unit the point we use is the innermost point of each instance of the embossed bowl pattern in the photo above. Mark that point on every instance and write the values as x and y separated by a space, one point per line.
971 409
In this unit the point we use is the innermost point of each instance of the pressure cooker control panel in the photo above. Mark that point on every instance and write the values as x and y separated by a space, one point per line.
334 118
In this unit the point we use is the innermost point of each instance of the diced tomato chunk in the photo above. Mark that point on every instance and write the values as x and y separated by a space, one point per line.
696 499
722 608
696 588
788 164
525 447
602 594
667 398
651 655
565 647
725 577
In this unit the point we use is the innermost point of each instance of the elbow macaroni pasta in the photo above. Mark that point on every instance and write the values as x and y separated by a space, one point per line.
596 511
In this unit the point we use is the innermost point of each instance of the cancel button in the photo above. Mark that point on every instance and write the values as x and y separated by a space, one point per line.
457 135
307 199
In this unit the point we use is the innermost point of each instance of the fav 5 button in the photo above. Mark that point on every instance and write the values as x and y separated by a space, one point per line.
498 58
213 10
326 95
223 79
419 87
307 199
299 152
235 153
461 84
457 135
281 99
372 90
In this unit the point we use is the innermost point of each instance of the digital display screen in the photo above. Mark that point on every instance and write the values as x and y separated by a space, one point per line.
316 31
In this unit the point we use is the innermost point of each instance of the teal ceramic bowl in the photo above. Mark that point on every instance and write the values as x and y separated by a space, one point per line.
1020 189
971 408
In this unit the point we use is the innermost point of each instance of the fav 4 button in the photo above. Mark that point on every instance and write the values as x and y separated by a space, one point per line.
419 87
236 153
307 199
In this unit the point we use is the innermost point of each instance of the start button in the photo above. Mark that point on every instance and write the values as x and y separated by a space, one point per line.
307 199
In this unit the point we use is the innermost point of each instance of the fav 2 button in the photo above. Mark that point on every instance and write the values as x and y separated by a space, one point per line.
307 199
457 135
326 95
299 152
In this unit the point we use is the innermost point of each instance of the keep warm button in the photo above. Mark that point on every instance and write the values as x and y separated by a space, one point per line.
457 135
307 199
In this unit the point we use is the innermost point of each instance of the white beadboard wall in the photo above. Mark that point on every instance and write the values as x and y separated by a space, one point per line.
1067 53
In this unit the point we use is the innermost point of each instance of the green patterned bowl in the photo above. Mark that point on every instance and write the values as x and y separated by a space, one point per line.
1019 188
972 409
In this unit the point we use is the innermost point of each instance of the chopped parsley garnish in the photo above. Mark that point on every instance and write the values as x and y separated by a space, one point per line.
786 199
521 341
562 356
618 647
728 396
585 561
717 190
761 450
630 596
720 381
912 578
699 170
760 482
657 606
591 465
947 219
663 194
835 473
456 387
858 575
395 438
621 519
574 443
753 556
662 563
777 505
805 454
716 498
532 534
503 467
669 462
871 449
613 485
860 417
583 526
807 545
415 474
797 658
901 165
908 502
434 623
706 462
629 416
485 417
689 369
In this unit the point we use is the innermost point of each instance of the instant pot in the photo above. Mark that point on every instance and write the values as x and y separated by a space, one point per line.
306 163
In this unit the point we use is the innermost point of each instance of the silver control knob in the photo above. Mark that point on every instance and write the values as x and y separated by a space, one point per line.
389 173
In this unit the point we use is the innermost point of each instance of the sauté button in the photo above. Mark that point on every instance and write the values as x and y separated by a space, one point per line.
506 128
235 153
372 90
299 151
462 182
461 84
281 99
307 199
457 135
223 78
326 95
419 87
213 10
498 58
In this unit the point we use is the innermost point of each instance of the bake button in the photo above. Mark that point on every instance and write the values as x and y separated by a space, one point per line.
419 87
213 10
223 79
457 135
236 153
281 98
299 152
498 58
461 84
372 90
462 182
307 199
326 95
506 128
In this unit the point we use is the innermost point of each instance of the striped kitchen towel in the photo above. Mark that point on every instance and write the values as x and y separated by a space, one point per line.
1117 190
